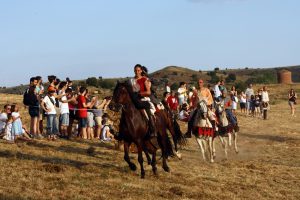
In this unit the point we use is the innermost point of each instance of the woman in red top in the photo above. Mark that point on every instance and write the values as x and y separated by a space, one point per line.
82 111
142 85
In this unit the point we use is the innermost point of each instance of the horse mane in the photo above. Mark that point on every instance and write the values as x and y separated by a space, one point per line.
134 96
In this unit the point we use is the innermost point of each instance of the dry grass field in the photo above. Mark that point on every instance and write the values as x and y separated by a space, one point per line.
267 166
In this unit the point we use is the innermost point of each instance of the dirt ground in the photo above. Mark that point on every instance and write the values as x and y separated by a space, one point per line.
266 167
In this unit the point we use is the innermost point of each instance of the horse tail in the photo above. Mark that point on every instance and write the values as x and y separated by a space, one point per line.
178 137
168 151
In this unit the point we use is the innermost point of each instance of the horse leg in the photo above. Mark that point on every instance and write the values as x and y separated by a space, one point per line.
141 161
153 163
148 157
126 156
210 144
229 139
199 141
225 147
165 165
235 142
214 148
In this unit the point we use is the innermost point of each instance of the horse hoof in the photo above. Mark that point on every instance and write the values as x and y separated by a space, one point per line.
179 156
167 169
155 172
143 176
132 167
236 152
212 161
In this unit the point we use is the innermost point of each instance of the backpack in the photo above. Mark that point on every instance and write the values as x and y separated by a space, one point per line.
26 98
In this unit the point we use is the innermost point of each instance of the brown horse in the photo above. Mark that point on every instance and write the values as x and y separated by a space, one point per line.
134 129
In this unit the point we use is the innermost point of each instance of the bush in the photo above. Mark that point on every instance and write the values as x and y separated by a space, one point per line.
265 78
194 77
217 69
231 78
240 86
92 81
174 86
107 84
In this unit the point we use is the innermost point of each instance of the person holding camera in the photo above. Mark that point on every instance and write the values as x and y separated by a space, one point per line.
98 110
292 101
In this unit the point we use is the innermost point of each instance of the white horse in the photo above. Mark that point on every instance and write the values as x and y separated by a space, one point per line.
226 131
203 130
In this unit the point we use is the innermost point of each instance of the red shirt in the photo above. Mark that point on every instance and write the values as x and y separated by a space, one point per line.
172 102
82 112
141 83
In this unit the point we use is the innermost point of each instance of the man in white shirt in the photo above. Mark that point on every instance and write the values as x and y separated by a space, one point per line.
249 92
217 91
48 105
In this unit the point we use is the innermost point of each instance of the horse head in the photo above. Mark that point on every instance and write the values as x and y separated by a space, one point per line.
120 96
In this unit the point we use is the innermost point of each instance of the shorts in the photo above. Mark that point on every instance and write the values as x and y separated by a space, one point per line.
72 114
243 105
90 119
64 119
98 121
34 111
291 103
82 122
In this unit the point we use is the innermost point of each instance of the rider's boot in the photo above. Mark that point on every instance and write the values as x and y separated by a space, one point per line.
188 134
151 122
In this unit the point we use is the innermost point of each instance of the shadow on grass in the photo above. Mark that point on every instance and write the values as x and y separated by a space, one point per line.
274 138
56 160
75 150
12 197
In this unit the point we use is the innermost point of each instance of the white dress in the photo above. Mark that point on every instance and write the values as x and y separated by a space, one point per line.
17 124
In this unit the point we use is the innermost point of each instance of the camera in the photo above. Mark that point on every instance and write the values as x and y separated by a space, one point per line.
108 98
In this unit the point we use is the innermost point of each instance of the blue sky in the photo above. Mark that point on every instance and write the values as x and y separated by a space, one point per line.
84 38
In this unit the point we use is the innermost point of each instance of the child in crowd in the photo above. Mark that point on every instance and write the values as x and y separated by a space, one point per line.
184 113
257 105
98 110
107 130
17 129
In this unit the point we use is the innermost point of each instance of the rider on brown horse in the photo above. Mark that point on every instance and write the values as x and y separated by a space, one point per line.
142 87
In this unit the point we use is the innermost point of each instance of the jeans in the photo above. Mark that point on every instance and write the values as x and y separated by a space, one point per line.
52 126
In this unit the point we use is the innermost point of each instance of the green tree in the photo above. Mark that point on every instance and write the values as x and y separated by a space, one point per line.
107 83
231 78
174 86
92 81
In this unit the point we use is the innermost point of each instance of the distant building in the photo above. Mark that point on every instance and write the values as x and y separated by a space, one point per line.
284 77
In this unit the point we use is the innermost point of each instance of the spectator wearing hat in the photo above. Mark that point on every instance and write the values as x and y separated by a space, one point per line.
48 105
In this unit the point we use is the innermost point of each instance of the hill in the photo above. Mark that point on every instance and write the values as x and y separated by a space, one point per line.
175 74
